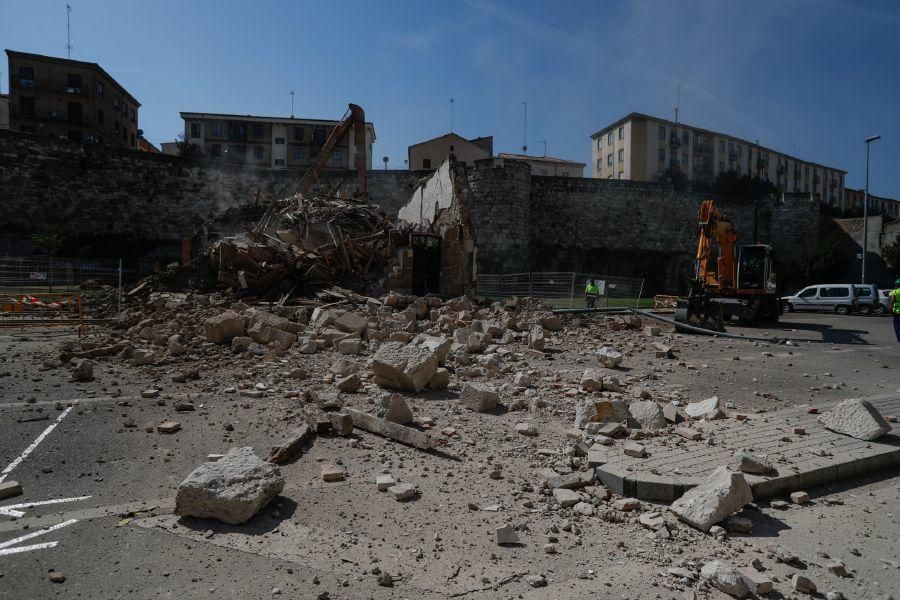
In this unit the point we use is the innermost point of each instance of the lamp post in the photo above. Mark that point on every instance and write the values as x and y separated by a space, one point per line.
865 248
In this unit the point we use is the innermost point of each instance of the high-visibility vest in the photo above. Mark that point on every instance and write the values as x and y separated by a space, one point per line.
592 289
896 295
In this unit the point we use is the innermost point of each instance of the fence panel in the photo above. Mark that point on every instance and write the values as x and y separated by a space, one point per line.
36 290
561 289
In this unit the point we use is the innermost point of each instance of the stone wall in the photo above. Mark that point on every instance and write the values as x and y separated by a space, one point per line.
500 209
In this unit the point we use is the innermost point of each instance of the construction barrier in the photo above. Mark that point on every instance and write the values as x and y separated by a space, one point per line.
46 309
561 289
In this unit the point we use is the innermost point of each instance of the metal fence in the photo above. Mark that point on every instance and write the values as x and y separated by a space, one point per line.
561 289
32 283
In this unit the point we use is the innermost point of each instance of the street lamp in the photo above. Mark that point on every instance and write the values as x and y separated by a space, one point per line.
865 252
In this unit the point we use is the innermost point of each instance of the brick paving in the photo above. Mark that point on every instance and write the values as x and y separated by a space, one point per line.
803 461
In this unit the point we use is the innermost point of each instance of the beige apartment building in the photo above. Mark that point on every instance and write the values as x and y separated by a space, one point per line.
4 111
431 153
853 202
70 99
275 142
548 165
642 148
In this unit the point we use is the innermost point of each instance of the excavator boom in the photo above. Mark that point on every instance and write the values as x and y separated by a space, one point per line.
355 117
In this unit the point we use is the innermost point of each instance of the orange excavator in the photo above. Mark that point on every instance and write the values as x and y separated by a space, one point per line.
728 281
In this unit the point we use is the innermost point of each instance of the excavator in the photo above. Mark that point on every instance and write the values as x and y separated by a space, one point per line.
735 282
355 117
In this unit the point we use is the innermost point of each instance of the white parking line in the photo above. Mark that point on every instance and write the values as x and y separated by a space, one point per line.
12 511
5 546
33 445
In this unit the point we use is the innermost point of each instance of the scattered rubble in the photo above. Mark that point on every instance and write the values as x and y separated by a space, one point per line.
723 493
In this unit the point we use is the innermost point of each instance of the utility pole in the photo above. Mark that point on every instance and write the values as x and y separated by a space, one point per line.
525 128
68 32
677 102
865 249
451 101
544 142
292 104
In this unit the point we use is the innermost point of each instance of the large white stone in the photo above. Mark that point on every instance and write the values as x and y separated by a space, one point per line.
221 328
707 409
609 358
648 414
752 463
600 411
351 323
394 409
722 493
856 418
726 578
406 367
232 489
479 397
592 380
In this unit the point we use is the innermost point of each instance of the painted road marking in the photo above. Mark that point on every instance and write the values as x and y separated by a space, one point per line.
5 548
33 445
12 510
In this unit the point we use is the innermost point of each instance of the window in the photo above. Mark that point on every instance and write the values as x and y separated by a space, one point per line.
722 146
622 132
195 129
279 140
599 163
835 292
216 150
298 134
298 153
808 293
100 116
621 174
26 104
73 83
257 152
116 127
451 147
609 139
318 135
731 147
543 171
336 158
426 163
217 129
279 162
662 132
133 115
564 173
721 165
599 141
99 88
257 130
26 76
684 160
124 135
125 108
685 137
661 155
621 155
116 101
132 140
609 161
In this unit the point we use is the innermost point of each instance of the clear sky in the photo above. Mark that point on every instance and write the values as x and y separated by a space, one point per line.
813 77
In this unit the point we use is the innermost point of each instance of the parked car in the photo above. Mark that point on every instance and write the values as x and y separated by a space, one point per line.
884 302
834 297
867 297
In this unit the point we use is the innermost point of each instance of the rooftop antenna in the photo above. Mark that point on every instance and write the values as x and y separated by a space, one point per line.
292 104
68 32
544 142
525 128
677 102
451 101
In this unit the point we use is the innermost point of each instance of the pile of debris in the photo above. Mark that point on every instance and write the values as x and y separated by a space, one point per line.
305 242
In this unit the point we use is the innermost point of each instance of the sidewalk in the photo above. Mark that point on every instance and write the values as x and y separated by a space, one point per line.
803 461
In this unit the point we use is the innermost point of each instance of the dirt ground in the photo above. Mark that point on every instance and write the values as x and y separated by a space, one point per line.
115 477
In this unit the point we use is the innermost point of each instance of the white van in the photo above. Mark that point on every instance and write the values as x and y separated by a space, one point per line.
834 297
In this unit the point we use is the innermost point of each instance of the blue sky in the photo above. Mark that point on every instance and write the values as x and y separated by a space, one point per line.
817 76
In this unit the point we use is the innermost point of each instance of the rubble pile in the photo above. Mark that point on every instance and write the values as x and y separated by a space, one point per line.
306 242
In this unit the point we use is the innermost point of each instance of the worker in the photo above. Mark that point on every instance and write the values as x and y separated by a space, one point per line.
894 305
591 293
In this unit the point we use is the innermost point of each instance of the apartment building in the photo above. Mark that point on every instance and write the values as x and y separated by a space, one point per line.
275 142
4 111
70 99
642 147
548 165
853 203
431 153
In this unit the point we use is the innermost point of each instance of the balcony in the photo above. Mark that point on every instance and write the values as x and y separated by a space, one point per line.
674 141
50 85
49 116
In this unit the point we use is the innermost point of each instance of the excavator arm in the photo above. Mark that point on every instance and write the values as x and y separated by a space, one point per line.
355 117
713 225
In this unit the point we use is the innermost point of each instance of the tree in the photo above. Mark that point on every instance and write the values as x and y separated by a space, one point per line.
892 256
186 148
733 185
50 242
676 177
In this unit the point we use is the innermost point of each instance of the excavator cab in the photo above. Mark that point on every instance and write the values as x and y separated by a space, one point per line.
754 271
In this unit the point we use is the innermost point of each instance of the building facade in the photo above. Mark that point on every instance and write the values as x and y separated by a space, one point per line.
548 165
642 148
431 153
70 99
853 203
275 142
4 111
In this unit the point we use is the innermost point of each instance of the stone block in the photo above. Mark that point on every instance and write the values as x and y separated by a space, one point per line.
479 397
722 493
221 328
856 418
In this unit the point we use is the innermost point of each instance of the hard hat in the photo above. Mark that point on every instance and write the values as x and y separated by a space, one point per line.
897 282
